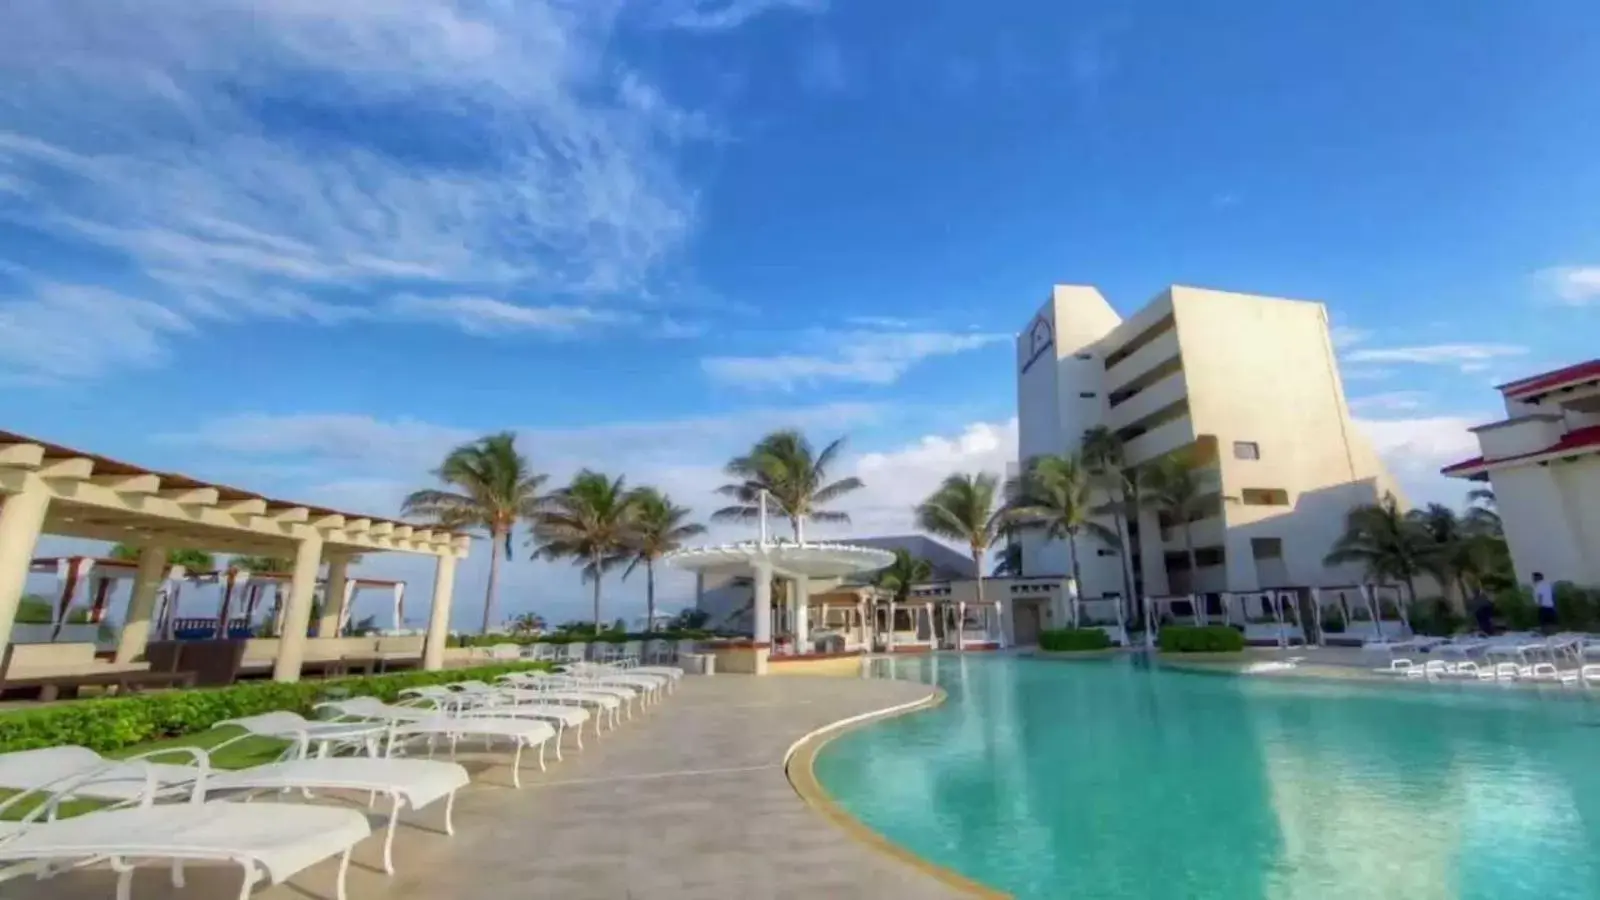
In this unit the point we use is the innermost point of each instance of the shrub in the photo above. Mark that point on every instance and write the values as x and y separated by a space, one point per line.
1062 640
1197 639
1435 616
1516 609
1576 608
1333 623
111 723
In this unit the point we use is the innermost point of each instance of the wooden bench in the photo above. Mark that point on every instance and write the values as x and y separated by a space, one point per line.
65 683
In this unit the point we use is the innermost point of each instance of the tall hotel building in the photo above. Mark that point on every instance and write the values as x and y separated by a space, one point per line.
1249 387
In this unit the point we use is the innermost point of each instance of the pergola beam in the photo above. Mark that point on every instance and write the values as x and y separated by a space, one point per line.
253 506
190 496
128 484
289 514
103 499
24 456
68 467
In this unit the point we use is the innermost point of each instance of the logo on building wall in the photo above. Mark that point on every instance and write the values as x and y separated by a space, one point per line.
1041 337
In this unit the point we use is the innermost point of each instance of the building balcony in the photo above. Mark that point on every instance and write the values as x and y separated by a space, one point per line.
1211 531
1162 393
1159 441
1144 359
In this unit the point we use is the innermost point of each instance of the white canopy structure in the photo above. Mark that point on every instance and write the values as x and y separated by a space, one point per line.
764 559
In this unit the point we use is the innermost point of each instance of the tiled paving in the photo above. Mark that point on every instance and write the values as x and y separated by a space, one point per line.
689 801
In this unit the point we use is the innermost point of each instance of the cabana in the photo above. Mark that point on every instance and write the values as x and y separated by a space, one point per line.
1266 617
1369 612
51 489
956 622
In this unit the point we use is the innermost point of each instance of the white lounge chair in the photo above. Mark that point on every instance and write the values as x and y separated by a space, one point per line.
485 698
415 721
408 783
648 684
608 704
624 694
271 842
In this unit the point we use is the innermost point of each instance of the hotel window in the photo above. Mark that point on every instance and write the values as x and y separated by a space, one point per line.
1264 497
1266 548
1087 395
1246 450
1085 355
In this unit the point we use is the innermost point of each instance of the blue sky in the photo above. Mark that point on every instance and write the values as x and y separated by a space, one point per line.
306 247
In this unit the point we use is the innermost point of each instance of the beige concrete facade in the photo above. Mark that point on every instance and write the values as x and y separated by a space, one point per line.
1543 462
50 489
1248 385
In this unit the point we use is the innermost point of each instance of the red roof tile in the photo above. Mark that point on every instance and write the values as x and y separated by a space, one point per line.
1577 439
1538 384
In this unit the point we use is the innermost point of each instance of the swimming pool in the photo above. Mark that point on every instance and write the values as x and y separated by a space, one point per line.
1109 779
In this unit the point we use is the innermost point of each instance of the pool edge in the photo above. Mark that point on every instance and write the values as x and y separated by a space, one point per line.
798 765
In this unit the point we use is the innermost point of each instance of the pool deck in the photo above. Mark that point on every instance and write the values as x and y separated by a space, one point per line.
690 800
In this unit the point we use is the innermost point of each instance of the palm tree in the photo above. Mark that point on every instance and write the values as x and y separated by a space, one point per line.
493 488
193 561
965 508
1385 542
590 521
785 467
900 575
1103 455
527 623
1055 495
1009 565
261 565
1173 487
659 528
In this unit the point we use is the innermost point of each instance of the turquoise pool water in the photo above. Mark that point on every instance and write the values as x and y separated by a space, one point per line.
1111 780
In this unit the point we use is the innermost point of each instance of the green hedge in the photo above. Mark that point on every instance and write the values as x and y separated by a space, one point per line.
112 723
1062 640
1208 639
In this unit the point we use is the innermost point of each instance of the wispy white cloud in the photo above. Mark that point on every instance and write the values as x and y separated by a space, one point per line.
1463 357
191 138
491 317
60 332
720 15
1388 402
1345 336
1571 285
859 357
1416 448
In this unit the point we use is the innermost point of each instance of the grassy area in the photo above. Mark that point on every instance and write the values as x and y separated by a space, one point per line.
252 751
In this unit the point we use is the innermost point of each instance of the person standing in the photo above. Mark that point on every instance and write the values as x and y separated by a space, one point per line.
1544 596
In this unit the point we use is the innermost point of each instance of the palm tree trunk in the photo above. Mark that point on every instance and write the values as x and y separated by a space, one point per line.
1077 577
977 559
496 538
1194 575
1125 550
594 560
649 595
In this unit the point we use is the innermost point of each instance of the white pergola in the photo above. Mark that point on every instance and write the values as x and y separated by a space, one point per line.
798 562
50 489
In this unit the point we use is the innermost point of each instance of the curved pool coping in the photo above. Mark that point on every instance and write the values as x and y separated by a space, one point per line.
799 765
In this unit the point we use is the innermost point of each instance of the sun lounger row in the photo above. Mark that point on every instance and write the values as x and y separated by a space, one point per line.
181 811
1517 656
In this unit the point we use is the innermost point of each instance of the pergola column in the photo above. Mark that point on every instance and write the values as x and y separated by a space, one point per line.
146 585
334 596
802 613
761 629
21 521
444 583
297 615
